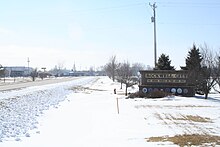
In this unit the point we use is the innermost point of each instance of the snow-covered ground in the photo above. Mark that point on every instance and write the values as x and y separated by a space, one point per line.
83 113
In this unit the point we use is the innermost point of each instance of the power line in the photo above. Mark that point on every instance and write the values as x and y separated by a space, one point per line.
189 4
194 24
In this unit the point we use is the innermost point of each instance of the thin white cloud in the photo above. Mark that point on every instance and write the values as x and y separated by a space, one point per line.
4 31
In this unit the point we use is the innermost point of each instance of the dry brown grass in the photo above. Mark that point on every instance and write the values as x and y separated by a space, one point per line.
188 140
197 118
171 106
188 118
86 90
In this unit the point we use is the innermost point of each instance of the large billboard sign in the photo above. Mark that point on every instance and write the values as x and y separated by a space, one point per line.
177 82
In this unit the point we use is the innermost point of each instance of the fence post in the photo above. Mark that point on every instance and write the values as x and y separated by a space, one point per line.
117 105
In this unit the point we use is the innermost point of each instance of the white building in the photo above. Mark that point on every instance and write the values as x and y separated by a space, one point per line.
17 71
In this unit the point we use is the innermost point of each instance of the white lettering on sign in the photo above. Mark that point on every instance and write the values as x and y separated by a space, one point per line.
165 75
166 81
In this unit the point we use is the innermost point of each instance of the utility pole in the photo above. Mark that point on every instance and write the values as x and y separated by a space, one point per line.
28 66
74 67
153 19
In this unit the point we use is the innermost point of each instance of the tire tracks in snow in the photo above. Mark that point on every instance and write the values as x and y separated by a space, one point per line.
175 118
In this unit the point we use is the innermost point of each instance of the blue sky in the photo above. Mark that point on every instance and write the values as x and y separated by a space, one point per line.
89 32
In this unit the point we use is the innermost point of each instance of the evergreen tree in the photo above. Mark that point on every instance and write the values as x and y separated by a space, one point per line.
2 71
164 63
194 59
193 64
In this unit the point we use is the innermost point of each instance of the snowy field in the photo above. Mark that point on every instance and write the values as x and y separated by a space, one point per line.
83 113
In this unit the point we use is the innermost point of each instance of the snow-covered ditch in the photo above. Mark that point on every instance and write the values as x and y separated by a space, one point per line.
83 113
19 109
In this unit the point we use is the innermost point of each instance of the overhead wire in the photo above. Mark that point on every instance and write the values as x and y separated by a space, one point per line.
187 4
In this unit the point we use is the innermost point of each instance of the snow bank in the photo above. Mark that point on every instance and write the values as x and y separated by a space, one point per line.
19 109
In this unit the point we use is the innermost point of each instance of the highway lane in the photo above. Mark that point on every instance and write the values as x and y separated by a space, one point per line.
19 85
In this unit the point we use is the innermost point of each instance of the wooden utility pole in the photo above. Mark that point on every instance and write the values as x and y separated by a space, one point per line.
153 19
28 66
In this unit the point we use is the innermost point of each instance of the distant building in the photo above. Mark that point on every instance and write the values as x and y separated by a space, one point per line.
87 73
17 71
81 73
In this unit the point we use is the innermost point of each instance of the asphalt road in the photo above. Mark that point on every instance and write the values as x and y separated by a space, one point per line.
19 85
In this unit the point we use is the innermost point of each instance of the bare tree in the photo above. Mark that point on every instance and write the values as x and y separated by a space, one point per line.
208 70
136 67
34 74
111 67
126 75
217 72
60 67
120 73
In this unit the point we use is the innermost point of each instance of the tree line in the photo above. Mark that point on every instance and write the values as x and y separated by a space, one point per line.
204 67
124 72
202 63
